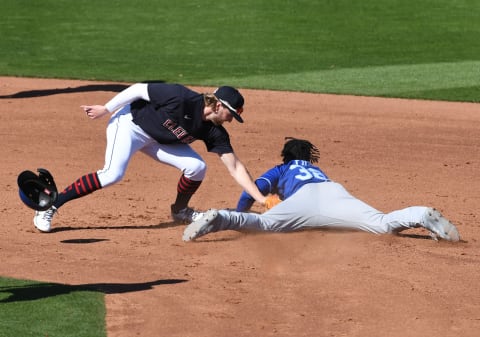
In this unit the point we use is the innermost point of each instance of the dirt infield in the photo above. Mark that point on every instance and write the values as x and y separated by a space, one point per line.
391 153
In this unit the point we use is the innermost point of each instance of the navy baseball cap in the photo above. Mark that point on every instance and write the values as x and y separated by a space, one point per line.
232 99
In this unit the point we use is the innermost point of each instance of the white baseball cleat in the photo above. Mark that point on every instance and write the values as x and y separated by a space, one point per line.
43 219
439 226
201 226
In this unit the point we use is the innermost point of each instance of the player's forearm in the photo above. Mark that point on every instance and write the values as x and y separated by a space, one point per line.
241 175
244 179
127 96
245 202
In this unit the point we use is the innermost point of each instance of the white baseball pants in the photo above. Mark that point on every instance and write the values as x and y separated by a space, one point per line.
124 138
326 204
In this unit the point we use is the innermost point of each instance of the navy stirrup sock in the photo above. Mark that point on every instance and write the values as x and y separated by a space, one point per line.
82 186
185 190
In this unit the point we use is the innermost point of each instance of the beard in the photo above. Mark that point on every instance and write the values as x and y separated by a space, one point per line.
215 119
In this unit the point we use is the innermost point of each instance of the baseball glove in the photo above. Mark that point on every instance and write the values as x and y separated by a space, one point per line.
271 201
37 192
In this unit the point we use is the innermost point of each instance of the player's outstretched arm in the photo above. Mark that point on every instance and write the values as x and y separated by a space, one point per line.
239 172
132 93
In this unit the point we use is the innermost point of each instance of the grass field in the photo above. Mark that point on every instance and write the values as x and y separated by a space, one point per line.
419 49
30 308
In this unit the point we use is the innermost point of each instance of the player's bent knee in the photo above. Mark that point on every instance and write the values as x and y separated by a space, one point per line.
109 178
196 171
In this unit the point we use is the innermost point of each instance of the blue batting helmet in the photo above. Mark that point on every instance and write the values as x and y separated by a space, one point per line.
37 191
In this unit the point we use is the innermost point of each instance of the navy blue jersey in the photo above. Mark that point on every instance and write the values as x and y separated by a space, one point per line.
284 180
174 114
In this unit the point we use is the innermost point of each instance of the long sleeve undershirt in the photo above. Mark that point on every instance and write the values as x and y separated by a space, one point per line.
134 92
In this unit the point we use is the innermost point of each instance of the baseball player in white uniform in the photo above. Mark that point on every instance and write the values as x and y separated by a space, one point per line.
311 199
161 120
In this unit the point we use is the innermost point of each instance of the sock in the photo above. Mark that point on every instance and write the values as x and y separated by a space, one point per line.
83 186
185 190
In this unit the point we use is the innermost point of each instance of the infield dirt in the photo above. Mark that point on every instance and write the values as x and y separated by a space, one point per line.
391 153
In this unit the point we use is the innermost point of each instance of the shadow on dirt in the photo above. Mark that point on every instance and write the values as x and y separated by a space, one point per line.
205 239
83 241
70 90
36 291
156 226
83 88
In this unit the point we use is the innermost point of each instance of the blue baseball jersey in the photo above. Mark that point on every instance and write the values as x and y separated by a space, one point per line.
284 180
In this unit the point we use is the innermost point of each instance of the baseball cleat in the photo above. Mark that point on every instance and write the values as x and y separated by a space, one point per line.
201 226
186 215
439 226
43 219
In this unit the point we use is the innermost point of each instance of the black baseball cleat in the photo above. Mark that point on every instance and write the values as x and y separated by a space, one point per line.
185 215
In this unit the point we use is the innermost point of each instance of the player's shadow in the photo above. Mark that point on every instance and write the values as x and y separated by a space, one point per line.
36 291
415 236
162 225
69 90
398 234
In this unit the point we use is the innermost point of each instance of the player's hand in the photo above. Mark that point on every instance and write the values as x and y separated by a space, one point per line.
95 111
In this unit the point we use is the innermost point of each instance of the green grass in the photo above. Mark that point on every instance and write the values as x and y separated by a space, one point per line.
401 48
30 308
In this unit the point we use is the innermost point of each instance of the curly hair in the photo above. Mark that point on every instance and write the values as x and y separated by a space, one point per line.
210 100
299 149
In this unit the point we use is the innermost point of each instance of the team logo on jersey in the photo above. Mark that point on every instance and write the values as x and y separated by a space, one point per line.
178 131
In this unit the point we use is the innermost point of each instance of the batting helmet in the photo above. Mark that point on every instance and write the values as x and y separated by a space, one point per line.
37 192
